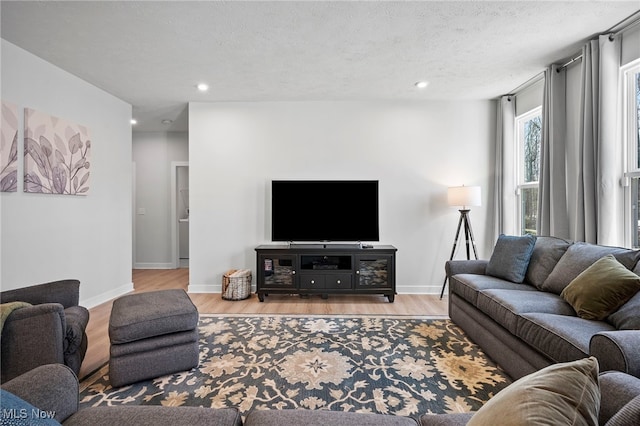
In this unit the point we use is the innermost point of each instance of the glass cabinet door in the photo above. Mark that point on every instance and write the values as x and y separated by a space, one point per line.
373 272
278 271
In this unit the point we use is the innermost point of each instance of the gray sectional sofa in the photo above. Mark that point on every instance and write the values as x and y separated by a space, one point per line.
525 326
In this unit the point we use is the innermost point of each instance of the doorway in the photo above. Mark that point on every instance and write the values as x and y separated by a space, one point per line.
180 214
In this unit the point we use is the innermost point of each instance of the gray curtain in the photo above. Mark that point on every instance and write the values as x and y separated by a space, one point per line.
610 193
552 192
600 216
584 215
504 185
580 195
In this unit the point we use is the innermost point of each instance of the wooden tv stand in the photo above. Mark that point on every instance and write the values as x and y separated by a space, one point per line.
325 269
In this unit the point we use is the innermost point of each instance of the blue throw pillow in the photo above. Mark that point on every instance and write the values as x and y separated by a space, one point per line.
510 257
15 411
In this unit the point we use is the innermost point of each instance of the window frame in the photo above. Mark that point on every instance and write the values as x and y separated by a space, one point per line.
520 183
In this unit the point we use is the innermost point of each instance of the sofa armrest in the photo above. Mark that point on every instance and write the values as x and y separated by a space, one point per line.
32 336
51 388
617 350
64 292
454 267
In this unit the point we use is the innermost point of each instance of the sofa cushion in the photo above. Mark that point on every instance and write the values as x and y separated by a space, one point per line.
561 338
148 415
617 389
601 289
467 286
323 418
627 317
628 415
579 256
505 306
560 394
628 258
510 257
449 419
546 254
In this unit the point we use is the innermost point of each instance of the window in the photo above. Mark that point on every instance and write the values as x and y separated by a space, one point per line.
631 79
528 139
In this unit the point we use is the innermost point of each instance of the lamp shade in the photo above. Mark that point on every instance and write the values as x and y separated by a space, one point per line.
464 196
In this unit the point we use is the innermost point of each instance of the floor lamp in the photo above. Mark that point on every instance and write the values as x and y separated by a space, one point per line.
463 197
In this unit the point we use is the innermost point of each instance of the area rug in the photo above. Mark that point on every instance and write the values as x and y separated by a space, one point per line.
389 365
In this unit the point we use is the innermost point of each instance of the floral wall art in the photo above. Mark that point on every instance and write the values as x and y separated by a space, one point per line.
56 155
9 148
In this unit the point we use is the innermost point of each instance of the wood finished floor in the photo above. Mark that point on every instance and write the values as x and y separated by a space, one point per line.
208 303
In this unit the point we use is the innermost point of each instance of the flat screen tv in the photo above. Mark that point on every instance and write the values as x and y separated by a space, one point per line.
324 210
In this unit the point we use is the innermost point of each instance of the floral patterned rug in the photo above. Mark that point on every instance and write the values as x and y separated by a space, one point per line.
390 365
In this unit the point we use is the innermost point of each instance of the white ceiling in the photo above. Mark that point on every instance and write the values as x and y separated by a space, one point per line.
152 53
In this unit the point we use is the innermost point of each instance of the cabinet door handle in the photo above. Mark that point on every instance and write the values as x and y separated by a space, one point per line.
358 272
338 281
293 272
313 282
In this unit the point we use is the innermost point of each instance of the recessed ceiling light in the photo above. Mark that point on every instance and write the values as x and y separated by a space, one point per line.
203 87
422 84
134 121
167 121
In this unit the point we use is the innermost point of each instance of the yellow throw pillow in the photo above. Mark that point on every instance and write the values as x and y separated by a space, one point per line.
560 394
601 289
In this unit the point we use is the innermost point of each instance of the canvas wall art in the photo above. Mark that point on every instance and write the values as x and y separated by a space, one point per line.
9 148
56 155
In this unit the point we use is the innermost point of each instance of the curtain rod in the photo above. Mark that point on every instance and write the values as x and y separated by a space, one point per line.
577 58
623 26
612 35
526 84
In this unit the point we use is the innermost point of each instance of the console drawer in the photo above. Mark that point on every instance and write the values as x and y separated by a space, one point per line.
338 281
312 281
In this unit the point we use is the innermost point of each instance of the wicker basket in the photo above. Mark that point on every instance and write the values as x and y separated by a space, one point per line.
236 284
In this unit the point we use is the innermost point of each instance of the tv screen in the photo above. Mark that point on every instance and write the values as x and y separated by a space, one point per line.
324 210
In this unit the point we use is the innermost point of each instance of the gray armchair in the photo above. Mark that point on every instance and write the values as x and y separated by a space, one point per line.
50 331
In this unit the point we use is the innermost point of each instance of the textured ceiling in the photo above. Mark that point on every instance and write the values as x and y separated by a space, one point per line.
153 53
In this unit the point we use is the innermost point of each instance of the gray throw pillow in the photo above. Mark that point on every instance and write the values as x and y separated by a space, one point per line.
546 254
510 257
579 256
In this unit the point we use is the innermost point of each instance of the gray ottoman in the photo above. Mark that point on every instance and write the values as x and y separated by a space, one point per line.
152 334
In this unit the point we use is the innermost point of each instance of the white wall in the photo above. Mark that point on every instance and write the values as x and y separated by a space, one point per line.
415 149
153 153
50 237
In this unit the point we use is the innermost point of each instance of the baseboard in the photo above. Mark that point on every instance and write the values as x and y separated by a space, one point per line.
153 266
420 289
106 296
204 288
